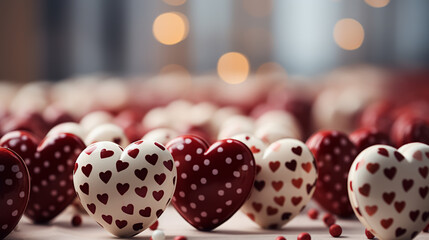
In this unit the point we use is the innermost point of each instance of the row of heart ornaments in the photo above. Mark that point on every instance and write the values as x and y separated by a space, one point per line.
126 190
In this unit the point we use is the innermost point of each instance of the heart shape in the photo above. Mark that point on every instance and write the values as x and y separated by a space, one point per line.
334 153
50 164
126 190
391 206
213 182
15 190
286 161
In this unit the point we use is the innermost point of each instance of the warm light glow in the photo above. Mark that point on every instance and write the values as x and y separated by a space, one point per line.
269 68
377 3
170 28
348 34
175 2
233 67
258 8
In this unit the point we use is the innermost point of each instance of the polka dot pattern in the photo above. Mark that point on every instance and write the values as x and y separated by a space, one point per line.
50 166
334 153
14 190
218 179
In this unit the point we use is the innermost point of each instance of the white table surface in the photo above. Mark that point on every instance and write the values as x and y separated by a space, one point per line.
238 227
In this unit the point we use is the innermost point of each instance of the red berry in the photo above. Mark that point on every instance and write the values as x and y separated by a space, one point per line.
304 236
154 226
369 234
76 220
335 230
426 228
328 219
313 213
280 238
180 238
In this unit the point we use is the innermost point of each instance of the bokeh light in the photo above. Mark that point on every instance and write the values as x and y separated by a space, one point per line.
233 67
348 34
258 8
175 2
377 3
170 28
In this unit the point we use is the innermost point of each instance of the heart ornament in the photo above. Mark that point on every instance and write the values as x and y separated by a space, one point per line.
14 190
125 191
285 180
50 164
389 190
213 182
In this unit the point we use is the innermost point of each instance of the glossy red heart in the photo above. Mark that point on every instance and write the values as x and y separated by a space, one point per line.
213 182
50 165
334 154
366 137
14 190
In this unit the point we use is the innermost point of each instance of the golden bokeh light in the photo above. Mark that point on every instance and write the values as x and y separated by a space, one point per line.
170 28
348 34
175 2
233 67
258 8
377 3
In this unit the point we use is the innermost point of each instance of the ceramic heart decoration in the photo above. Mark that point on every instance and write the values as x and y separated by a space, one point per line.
14 190
213 182
285 180
125 191
334 153
50 165
388 190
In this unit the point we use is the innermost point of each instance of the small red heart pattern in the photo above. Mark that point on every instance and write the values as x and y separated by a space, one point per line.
125 191
285 180
50 164
334 154
389 190
14 190
213 182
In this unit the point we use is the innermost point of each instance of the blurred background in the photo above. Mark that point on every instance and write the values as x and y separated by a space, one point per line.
53 40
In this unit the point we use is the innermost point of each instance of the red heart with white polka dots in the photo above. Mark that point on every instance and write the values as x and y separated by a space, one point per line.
389 190
14 190
125 191
50 165
285 180
334 154
213 182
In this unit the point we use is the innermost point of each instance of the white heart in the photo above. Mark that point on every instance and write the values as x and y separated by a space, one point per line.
280 190
388 190
125 190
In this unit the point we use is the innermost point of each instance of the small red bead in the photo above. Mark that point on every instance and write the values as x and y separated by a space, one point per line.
280 238
304 236
426 228
154 226
180 238
313 213
335 230
328 219
369 234
76 220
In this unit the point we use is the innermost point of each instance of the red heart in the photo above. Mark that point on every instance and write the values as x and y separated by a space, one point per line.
277 185
372 167
257 206
51 165
334 153
388 197
306 166
279 200
297 182
274 166
386 223
216 181
364 190
15 190
424 171
271 210
399 206
371 210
